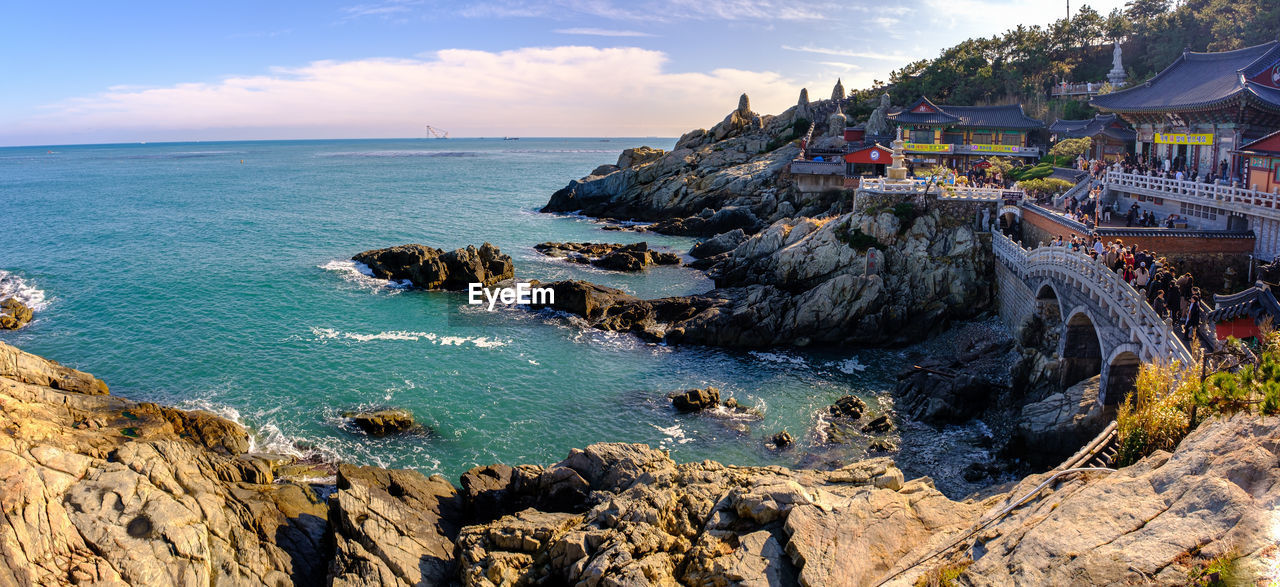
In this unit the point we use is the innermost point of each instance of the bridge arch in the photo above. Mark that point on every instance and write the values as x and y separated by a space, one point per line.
1009 213
1081 350
1119 374
1047 299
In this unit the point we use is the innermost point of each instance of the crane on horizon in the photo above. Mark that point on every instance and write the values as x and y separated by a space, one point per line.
437 133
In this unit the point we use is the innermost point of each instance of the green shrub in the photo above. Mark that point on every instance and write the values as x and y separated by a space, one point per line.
860 241
906 213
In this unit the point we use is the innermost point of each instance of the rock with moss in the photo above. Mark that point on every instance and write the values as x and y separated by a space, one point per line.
14 314
435 269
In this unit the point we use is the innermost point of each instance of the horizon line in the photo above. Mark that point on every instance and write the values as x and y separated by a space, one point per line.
432 139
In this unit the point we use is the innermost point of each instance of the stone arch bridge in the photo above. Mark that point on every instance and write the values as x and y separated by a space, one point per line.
1107 327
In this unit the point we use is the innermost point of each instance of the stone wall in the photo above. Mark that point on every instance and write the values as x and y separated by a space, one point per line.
1015 300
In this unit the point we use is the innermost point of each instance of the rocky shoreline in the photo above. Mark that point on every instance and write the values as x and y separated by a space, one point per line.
102 490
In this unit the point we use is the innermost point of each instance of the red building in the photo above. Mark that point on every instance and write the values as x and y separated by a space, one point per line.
1239 314
1262 163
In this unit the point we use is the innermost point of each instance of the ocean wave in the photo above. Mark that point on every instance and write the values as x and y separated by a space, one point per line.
673 433
13 286
849 366
360 274
780 358
484 342
399 154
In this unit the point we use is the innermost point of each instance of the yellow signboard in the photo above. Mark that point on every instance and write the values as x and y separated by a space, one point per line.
1183 139
926 148
993 148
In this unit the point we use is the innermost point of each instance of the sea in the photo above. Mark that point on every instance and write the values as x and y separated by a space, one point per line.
217 276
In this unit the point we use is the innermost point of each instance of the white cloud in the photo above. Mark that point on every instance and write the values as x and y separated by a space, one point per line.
384 8
602 32
658 10
849 53
559 91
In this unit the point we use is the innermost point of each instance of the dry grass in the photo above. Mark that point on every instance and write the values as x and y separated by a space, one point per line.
1156 414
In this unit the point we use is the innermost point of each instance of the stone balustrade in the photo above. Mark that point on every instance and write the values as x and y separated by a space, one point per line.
1115 299
1238 199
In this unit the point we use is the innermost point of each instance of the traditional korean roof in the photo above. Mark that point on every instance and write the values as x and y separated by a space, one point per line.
1256 302
1269 145
925 112
1108 125
1202 81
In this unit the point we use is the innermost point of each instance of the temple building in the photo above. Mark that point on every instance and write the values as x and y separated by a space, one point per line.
959 136
1112 137
1262 163
1203 107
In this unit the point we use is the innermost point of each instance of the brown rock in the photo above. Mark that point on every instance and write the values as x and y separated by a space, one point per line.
696 400
394 527
382 422
14 314
850 407
430 268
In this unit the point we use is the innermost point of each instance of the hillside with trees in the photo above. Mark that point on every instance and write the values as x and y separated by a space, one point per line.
1022 65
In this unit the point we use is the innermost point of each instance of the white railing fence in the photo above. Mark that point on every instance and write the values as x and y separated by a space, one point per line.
1114 295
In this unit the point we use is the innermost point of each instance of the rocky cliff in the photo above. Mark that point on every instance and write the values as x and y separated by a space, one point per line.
736 168
96 489
807 281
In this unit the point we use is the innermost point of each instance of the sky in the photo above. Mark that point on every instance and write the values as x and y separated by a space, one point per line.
101 72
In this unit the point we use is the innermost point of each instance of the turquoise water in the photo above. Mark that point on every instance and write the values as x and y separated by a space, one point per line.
213 275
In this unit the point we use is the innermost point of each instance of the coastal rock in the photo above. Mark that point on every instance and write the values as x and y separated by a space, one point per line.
737 163
1057 426
731 218
721 243
782 440
382 422
393 527
97 489
429 268
639 156
14 314
952 389
696 400
1152 523
612 256
129 493
850 407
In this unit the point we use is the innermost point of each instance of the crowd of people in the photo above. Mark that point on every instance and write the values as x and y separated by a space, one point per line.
1167 168
1175 298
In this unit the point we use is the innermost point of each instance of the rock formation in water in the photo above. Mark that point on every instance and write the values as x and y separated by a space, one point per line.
806 281
430 268
100 490
14 314
738 164
612 256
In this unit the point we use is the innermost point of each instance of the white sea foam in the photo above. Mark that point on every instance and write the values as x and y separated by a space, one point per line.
849 366
12 286
781 358
484 342
360 274
674 433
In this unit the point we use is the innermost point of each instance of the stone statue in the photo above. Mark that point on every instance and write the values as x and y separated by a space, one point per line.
836 123
837 93
1116 76
878 124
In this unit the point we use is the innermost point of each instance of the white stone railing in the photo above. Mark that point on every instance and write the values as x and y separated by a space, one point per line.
1112 293
1211 194
1081 187
943 191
